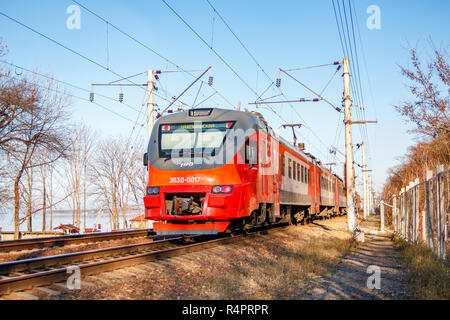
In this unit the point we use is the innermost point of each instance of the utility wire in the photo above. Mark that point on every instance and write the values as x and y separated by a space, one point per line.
264 72
148 48
66 83
77 97
212 49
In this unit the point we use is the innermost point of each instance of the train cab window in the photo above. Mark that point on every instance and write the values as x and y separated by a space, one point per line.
283 165
192 138
289 168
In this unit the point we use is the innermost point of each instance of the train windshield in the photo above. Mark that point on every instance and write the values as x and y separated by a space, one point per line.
192 138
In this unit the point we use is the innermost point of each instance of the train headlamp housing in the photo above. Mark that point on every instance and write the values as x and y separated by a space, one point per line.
221 189
152 191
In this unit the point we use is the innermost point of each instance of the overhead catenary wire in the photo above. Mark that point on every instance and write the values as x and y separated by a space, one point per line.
147 47
267 76
211 48
77 97
66 83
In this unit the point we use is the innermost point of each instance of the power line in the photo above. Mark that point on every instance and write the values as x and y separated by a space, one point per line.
77 97
265 73
67 84
64 46
149 49
348 49
211 48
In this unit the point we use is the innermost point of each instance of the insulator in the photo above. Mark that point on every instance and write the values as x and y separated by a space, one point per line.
278 82
156 77
121 97
155 88
91 97
210 81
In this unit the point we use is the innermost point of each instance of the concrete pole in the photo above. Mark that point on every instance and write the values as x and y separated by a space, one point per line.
349 150
364 178
394 213
424 228
150 105
368 195
382 216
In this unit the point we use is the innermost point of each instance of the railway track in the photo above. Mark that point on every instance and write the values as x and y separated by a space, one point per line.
25 274
60 241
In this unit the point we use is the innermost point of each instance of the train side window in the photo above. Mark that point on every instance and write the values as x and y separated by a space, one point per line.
303 174
283 165
294 169
308 176
290 168
298 172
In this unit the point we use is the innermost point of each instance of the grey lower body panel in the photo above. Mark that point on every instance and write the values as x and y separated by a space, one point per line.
327 202
296 199
187 232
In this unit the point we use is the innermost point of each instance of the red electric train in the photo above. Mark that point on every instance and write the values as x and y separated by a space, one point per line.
215 170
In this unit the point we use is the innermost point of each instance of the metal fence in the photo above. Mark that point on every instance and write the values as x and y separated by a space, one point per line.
421 212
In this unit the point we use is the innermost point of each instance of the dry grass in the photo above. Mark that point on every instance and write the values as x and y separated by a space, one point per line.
283 272
429 276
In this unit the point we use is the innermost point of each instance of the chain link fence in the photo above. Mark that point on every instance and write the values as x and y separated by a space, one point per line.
421 212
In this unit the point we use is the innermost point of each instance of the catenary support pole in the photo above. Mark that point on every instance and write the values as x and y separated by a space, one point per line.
150 105
349 149
364 178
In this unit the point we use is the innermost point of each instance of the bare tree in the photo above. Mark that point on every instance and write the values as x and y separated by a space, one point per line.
136 173
82 142
115 177
430 87
429 111
35 121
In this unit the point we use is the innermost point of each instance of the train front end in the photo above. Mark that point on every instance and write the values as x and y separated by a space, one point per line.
199 179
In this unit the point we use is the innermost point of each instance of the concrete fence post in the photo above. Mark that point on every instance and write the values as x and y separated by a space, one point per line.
424 228
439 207
400 213
429 210
394 213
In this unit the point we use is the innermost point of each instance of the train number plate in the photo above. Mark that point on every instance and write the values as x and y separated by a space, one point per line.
174 180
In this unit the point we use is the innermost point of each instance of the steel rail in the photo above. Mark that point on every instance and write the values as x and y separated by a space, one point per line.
26 274
58 241
23 274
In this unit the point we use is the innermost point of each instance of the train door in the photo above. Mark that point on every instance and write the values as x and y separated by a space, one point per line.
262 176
318 189
276 177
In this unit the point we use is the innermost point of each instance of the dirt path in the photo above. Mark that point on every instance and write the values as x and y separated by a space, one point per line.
349 281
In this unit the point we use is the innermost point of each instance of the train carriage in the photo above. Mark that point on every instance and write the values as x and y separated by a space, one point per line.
216 170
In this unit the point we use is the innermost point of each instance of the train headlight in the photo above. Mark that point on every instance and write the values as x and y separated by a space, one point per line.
151 191
222 189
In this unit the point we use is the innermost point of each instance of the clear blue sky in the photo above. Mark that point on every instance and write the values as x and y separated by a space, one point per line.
284 34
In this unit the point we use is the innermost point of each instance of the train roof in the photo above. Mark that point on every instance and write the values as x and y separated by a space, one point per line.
212 114
248 118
